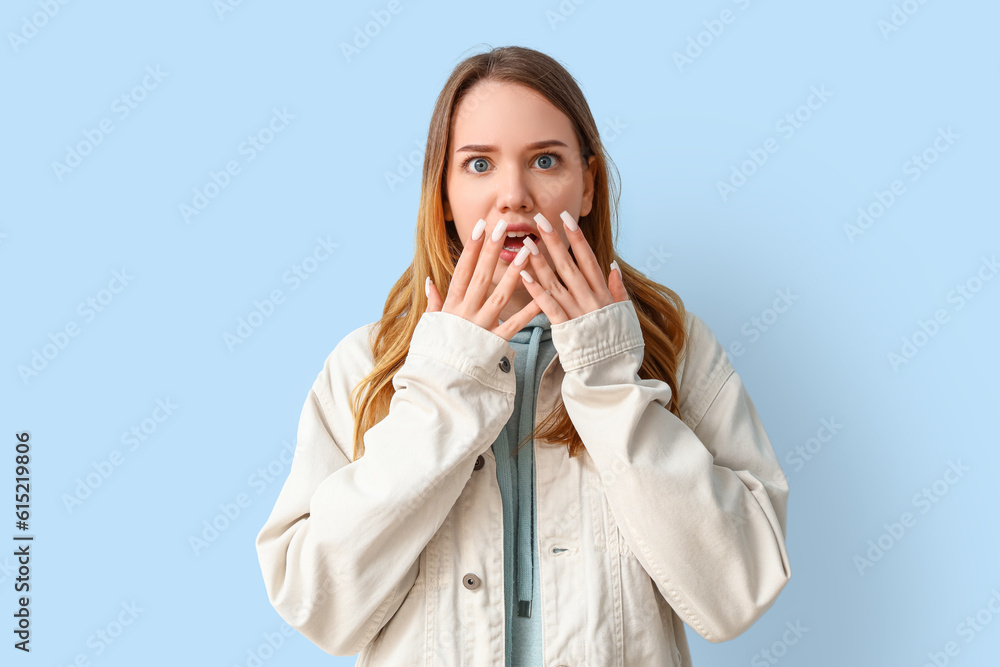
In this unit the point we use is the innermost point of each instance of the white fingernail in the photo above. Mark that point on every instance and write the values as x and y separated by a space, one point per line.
522 255
530 245
614 266
568 221
543 223
499 230
477 231
427 287
527 278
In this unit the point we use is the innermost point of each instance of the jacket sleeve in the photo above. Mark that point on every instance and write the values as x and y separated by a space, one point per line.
702 506
341 547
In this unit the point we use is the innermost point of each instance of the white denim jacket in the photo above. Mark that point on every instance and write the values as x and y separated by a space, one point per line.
662 522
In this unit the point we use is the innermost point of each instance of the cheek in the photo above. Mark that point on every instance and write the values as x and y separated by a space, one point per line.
563 188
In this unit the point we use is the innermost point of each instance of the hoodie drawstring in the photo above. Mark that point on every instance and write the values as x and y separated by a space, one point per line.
526 341
525 476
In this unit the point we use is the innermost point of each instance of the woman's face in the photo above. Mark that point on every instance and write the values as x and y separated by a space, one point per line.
496 171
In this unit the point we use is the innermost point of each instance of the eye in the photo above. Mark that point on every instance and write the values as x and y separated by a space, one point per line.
548 159
477 161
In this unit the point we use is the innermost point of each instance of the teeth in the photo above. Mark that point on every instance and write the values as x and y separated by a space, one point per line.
516 235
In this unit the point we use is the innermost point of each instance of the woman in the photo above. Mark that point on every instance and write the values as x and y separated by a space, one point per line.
429 519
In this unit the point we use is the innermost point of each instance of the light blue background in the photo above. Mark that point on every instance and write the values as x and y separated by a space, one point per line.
682 131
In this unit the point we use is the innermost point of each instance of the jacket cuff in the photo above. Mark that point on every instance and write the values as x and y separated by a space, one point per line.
467 347
597 335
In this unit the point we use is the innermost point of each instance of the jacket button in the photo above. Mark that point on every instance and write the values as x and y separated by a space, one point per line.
480 462
505 365
471 581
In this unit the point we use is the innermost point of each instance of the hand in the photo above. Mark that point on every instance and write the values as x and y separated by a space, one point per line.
582 289
473 276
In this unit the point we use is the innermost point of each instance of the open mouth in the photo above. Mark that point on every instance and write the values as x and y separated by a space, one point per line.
515 243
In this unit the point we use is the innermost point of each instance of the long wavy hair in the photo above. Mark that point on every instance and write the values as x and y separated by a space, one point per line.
437 248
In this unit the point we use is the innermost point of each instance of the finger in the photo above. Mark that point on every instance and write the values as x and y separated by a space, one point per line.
545 300
616 283
586 261
466 264
547 278
518 320
563 264
504 289
434 300
482 278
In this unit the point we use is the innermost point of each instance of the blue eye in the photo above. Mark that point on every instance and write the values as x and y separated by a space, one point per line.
477 161
542 157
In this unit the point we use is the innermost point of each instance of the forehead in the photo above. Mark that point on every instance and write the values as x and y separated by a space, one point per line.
507 114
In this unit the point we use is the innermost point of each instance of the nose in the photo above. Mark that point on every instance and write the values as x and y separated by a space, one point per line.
514 193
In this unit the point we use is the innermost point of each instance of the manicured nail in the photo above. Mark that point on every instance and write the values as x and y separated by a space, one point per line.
477 231
543 223
527 278
427 287
522 255
614 266
569 221
530 245
499 231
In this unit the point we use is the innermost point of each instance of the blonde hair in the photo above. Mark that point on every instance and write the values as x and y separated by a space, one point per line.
437 248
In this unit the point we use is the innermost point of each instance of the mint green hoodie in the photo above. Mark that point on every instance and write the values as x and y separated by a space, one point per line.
516 476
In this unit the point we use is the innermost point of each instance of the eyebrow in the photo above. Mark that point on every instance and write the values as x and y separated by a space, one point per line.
483 148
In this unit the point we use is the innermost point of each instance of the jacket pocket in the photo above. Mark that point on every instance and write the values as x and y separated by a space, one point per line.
646 618
606 535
